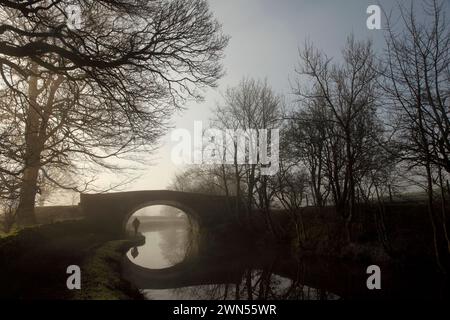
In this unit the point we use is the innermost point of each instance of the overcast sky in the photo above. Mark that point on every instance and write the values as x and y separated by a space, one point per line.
265 37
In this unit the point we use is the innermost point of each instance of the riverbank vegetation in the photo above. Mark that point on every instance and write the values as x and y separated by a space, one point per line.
34 261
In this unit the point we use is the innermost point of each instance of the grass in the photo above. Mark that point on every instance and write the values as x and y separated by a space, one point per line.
33 263
8 234
12 232
102 275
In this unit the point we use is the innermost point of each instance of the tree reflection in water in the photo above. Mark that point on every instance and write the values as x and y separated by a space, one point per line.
195 271
174 243
254 285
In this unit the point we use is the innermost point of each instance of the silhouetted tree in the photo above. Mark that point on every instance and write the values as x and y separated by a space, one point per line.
348 93
102 90
416 83
247 109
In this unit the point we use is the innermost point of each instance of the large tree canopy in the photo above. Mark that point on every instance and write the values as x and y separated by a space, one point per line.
168 45
101 89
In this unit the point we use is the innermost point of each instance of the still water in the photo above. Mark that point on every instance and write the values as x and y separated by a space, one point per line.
171 266
163 248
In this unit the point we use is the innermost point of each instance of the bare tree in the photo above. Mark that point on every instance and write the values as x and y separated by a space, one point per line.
105 89
290 187
308 140
248 108
348 92
417 69
206 179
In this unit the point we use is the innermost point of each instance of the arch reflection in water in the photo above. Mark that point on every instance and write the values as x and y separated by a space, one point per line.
243 276
270 275
173 264
167 237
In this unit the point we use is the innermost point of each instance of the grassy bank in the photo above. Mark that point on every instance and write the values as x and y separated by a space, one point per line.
102 274
33 263
11 232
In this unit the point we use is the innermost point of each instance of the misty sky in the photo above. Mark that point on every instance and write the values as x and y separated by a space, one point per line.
265 37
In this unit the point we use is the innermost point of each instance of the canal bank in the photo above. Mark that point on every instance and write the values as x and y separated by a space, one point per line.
34 261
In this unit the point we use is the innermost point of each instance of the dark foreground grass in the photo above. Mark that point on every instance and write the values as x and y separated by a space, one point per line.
102 275
34 261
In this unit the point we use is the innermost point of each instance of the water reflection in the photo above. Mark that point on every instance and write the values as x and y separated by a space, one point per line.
168 268
164 247
134 252
256 285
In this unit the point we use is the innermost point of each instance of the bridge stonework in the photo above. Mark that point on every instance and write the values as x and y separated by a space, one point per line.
109 212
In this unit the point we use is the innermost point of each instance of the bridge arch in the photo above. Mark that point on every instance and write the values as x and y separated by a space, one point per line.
188 211
109 212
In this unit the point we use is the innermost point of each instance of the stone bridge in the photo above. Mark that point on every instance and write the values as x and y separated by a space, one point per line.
110 211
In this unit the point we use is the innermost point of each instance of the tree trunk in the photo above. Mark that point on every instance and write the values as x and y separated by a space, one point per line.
33 149
25 210
430 210
380 223
249 285
237 295
443 209
351 188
